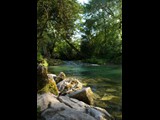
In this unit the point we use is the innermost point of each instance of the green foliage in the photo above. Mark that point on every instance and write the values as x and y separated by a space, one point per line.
39 56
41 60
65 52
54 62
45 63
103 30
58 20
55 22
87 48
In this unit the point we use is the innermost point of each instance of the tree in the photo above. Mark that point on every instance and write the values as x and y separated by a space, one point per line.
55 22
102 28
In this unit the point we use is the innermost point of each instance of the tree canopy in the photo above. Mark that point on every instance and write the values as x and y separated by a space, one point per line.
99 23
103 29
55 22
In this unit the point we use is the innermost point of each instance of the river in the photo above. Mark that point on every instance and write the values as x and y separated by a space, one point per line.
104 80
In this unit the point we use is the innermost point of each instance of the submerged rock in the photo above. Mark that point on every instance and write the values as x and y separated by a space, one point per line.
85 95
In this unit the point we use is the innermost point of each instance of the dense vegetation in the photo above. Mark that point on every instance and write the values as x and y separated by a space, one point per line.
98 23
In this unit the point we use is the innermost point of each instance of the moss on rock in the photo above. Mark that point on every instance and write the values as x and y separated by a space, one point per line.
42 78
49 87
44 83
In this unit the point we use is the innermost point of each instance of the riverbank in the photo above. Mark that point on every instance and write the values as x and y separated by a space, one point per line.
75 98
94 61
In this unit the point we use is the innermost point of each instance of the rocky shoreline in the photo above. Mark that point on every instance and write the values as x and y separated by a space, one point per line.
62 98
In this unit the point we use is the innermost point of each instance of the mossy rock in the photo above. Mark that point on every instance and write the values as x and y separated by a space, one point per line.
49 87
86 95
42 61
42 78
45 84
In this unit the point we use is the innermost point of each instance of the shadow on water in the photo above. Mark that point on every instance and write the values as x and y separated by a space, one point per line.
105 81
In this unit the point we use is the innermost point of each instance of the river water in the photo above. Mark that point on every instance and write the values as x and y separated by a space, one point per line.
104 80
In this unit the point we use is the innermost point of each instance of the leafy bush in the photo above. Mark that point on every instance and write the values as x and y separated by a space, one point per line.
53 62
41 60
39 56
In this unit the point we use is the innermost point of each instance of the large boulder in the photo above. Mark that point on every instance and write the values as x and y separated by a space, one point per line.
50 87
45 100
86 95
42 78
45 83
104 112
73 103
97 114
69 114
65 108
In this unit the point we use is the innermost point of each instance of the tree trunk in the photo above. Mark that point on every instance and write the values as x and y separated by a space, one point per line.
72 46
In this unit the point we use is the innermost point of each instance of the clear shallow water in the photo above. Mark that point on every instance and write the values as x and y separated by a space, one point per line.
105 82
